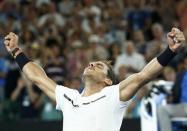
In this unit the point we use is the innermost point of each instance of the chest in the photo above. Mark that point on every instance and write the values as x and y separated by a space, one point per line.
88 109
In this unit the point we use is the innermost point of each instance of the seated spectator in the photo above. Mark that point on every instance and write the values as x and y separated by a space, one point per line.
169 74
133 110
139 41
66 7
158 43
13 72
55 67
114 51
26 96
133 61
3 72
50 16
49 111
98 50
123 73
137 16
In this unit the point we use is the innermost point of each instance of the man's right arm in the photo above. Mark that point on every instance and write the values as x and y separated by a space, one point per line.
31 70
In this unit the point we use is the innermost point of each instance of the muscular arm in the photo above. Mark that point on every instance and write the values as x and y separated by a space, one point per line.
132 84
32 71
37 75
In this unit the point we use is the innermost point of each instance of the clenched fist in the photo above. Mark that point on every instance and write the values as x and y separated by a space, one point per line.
11 41
175 39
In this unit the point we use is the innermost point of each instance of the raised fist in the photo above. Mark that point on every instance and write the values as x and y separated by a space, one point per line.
11 41
175 39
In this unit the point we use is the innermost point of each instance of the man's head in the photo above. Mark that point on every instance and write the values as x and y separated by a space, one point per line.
138 36
129 49
99 72
157 31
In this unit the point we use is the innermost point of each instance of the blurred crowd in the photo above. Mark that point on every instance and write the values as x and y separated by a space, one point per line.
63 36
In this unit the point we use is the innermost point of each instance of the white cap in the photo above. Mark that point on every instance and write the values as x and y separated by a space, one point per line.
77 44
93 39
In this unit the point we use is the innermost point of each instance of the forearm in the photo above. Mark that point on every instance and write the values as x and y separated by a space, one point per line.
15 94
132 84
153 68
150 71
32 95
29 68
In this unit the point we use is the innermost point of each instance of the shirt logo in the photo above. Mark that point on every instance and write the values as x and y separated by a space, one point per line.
69 99
87 103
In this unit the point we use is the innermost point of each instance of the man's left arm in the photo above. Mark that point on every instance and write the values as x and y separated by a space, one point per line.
133 83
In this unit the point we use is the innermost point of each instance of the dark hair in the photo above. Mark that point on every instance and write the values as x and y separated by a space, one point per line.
52 42
110 72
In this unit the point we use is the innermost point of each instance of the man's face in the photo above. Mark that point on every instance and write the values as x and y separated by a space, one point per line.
96 70
129 49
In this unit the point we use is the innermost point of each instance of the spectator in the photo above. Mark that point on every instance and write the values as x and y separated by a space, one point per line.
169 74
13 72
133 61
51 16
123 73
66 7
99 52
55 66
114 52
137 16
3 72
26 97
179 106
49 112
133 111
139 40
158 43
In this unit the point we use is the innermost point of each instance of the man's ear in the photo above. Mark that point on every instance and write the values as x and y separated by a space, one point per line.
108 81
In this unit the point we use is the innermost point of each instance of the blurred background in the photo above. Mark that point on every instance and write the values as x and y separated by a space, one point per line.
64 35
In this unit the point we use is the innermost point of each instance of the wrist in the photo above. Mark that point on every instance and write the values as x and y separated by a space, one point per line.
16 51
166 56
173 50
21 59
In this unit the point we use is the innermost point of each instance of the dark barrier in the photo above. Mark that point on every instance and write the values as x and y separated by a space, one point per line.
35 125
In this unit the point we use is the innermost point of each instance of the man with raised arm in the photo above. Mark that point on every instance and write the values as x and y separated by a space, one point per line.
101 105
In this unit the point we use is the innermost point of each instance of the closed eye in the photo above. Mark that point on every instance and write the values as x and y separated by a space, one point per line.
100 66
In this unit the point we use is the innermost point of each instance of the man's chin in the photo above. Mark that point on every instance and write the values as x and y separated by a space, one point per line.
88 75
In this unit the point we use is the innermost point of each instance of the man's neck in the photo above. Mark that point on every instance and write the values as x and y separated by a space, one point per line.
92 88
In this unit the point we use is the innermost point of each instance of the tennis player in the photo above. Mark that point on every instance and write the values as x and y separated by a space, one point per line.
101 105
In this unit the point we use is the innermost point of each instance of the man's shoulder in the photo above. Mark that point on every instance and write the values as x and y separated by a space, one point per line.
64 89
121 56
138 55
111 88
